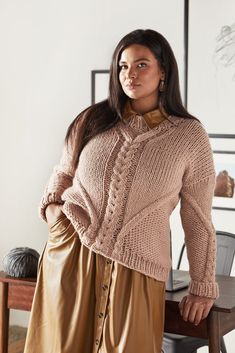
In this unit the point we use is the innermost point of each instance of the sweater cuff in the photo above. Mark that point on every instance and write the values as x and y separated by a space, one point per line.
50 198
204 289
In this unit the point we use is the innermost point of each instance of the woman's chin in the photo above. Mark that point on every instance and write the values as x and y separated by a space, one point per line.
132 95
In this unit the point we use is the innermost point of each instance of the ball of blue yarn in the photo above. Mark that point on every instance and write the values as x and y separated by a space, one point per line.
21 262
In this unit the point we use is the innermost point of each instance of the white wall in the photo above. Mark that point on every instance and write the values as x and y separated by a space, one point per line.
48 50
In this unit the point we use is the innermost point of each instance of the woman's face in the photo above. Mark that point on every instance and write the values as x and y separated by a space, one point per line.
140 73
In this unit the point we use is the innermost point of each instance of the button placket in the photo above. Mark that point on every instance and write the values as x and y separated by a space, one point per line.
103 303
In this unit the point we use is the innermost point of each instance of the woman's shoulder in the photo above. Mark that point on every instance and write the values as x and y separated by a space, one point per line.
193 135
193 125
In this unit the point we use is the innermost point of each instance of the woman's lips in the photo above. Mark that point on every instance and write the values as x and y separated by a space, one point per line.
132 86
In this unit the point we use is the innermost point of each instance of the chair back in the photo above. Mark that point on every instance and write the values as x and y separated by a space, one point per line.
225 253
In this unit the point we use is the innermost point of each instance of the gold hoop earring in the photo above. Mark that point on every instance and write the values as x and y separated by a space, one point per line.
162 86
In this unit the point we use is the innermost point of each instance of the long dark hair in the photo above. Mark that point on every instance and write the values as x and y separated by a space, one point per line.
102 116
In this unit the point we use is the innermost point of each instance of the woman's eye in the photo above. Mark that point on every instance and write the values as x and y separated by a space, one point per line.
142 65
123 67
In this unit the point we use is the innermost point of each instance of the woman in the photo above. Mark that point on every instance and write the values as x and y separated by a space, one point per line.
127 162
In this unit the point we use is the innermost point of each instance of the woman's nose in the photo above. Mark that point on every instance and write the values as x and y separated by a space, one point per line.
131 73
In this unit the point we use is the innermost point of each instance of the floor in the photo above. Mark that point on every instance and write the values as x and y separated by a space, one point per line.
17 336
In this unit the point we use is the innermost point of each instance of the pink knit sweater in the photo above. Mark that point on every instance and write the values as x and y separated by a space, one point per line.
128 181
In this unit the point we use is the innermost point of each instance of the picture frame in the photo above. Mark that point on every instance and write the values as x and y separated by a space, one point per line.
99 85
223 147
211 63
222 144
210 85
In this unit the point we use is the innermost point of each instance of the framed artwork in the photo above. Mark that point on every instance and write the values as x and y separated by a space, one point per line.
99 85
210 72
222 144
223 147
211 63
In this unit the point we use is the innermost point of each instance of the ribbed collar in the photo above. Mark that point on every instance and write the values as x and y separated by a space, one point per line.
150 119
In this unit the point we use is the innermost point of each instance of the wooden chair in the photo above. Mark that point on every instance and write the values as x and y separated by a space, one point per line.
225 255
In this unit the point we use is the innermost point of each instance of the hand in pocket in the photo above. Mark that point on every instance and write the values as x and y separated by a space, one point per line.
53 212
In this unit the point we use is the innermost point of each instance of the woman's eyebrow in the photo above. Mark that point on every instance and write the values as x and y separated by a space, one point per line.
140 59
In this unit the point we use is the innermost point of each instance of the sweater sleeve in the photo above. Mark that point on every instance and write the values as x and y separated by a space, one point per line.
60 179
195 211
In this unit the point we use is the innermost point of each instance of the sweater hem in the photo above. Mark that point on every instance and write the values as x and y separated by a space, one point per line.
133 261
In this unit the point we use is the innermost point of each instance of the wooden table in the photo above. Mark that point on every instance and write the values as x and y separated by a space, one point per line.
18 294
220 321
14 294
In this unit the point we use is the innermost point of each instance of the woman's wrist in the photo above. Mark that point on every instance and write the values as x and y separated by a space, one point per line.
52 211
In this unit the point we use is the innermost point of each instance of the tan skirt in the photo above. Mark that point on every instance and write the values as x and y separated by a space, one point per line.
87 303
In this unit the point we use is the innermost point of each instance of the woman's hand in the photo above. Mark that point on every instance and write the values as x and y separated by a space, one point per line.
53 211
194 308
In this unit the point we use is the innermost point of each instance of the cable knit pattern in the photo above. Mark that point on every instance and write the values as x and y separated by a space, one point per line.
128 181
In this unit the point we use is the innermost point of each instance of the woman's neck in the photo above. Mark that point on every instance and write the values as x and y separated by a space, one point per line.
143 106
